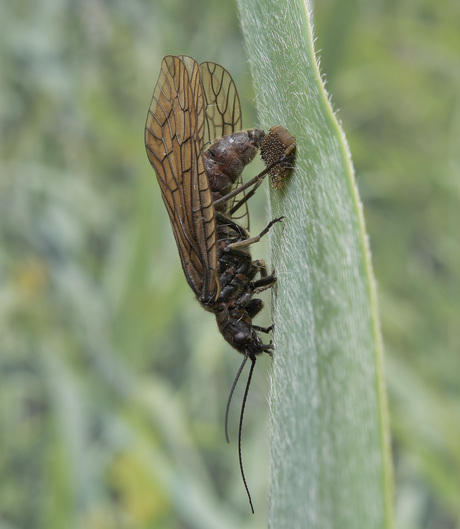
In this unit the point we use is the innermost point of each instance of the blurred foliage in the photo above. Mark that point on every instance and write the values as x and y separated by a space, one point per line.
393 71
113 380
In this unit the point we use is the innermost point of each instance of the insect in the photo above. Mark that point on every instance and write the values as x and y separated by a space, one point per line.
202 190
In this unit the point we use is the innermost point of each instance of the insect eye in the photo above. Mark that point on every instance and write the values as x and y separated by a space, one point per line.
276 146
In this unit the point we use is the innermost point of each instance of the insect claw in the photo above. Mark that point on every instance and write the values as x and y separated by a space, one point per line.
269 349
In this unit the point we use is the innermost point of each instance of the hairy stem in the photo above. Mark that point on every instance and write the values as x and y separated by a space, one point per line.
331 462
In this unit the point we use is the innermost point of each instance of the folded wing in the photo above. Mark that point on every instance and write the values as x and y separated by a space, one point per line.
174 136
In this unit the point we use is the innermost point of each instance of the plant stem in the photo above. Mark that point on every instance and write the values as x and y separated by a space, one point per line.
331 461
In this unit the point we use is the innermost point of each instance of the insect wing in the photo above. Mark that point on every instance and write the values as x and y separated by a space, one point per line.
223 116
174 133
223 109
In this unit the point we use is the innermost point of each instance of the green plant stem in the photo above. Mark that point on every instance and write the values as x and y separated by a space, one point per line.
331 462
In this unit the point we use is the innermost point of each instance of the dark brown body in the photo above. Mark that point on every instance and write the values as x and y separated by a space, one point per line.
235 307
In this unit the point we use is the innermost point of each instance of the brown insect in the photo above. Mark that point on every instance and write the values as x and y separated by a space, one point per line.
202 190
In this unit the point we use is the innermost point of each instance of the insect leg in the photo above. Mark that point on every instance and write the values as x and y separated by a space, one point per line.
252 306
252 240
246 197
261 267
256 181
224 220
264 283
263 329
257 184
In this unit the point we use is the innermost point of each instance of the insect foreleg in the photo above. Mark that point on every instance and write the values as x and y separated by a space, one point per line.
252 240
256 181
246 197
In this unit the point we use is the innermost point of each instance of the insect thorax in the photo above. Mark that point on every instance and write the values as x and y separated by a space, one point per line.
226 158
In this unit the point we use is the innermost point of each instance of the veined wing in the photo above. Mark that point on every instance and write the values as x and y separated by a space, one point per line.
174 133
222 104
223 116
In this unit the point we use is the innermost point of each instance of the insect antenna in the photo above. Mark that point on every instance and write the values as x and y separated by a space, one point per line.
229 400
240 428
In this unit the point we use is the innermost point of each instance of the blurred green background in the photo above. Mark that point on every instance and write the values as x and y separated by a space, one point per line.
113 381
